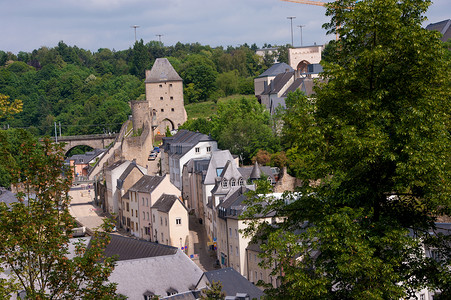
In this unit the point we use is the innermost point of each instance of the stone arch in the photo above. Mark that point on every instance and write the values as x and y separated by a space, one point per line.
302 66
167 123
67 150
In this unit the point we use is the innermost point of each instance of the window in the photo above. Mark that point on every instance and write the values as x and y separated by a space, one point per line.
170 85
422 297
143 201
161 98
172 98
162 110
153 217
178 221
136 213
172 109
161 85
162 237
219 171
225 183
144 215
236 251
241 181
232 182
161 221
231 250
236 233
208 149
230 231
166 221
147 216
136 226
256 278
197 150
128 207
132 212
147 201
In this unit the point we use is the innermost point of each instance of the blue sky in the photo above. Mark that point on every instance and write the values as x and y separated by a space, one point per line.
26 25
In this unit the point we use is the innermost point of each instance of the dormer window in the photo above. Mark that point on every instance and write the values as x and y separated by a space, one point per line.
241 181
225 183
232 182
197 150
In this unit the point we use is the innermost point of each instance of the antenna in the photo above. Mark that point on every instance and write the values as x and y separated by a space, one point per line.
159 37
291 19
135 26
300 26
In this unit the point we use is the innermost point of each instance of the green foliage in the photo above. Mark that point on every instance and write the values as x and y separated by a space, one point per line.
243 126
36 229
372 150
213 291
168 132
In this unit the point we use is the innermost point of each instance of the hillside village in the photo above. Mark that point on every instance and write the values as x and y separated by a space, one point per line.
190 179
177 200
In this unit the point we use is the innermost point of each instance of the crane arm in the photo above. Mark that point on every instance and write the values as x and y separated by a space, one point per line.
310 2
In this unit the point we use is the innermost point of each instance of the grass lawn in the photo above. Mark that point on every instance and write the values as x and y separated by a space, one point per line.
208 108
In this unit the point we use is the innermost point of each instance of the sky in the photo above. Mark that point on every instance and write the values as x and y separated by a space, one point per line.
26 25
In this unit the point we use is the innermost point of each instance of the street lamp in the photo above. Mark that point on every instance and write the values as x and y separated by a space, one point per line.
135 26
300 26
291 20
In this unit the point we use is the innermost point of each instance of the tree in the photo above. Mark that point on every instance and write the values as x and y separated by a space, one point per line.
36 229
213 291
8 107
373 151
243 126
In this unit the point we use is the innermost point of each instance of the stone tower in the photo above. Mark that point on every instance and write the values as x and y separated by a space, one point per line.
164 93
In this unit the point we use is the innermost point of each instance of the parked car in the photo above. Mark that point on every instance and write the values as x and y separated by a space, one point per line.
156 149
152 156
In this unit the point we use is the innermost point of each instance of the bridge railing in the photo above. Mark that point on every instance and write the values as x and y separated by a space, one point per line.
85 137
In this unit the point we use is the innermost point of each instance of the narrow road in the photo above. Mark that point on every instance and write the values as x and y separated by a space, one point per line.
83 209
206 258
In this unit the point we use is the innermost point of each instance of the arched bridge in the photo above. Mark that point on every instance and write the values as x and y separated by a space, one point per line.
100 141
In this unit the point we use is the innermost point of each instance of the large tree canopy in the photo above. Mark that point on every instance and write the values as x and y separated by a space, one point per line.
373 151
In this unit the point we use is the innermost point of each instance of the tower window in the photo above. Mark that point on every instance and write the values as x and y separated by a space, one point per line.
172 109
172 98
161 98
162 110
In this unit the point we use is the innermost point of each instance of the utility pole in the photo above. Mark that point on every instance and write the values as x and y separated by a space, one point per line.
56 134
135 26
291 20
300 26
60 128
159 37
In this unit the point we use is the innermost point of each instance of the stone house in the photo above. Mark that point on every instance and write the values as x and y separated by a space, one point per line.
112 174
141 197
170 222
127 179
182 147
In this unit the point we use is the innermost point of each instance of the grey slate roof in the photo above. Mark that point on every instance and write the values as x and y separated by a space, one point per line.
304 84
278 83
276 69
179 144
124 175
162 71
266 170
7 196
146 184
129 248
165 203
444 27
233 283
232 206
155 274
218 160
87 157
114 165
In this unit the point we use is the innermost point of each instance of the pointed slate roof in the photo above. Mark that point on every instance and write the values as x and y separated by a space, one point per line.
146 184
256 173
165 203
218 160
276 69
444 27
233 283
162 71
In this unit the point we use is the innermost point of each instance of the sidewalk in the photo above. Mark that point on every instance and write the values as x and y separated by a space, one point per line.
83 209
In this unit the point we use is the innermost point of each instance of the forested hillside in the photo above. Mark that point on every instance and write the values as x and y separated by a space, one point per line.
89 92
